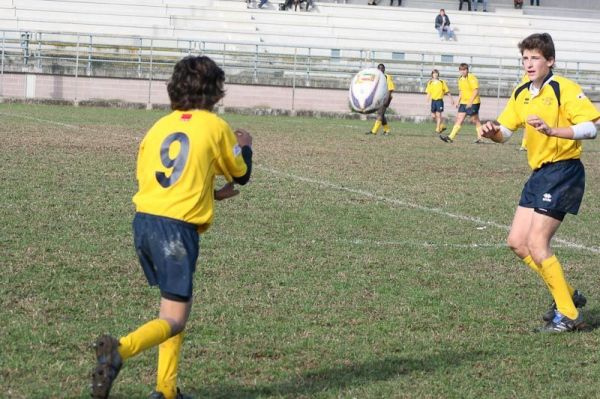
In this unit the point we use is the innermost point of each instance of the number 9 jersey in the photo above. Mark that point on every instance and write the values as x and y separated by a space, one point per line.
177 163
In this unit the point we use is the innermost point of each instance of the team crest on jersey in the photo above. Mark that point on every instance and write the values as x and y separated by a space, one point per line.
236 150
547 197
186 117
547 101
526 101
581 96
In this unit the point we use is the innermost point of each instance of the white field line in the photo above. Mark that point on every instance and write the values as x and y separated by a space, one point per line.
406 204
33 118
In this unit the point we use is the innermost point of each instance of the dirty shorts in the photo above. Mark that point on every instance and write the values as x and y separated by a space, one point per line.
167 250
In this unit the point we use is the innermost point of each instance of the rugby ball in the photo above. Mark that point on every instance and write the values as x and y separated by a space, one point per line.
368 91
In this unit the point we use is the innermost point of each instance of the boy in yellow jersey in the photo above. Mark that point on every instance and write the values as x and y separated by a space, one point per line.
468 104
557 116
436 90
177 163
381 119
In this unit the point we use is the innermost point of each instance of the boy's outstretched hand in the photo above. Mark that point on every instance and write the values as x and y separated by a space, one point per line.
243 137
227 191
489 129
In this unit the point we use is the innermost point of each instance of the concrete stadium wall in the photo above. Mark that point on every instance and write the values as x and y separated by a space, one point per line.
244 98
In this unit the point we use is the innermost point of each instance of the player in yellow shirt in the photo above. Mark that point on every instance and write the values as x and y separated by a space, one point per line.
557 116
177 163
381 119
468 104
436 90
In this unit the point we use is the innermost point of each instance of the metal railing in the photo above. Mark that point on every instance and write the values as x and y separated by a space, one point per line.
152 58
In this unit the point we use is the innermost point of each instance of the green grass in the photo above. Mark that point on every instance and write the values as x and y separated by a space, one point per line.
350 267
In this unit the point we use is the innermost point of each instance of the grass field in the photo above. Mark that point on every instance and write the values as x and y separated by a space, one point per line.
350 267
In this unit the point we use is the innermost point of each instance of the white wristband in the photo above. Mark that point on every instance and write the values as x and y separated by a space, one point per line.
584 131
506 133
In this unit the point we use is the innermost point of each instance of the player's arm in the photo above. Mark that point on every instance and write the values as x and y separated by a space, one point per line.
582 131
494 131
451 98
244 140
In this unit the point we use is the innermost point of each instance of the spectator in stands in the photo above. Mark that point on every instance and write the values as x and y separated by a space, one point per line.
399 3
262 3
460 4
442 25
485 3
537 2
519 4
381 119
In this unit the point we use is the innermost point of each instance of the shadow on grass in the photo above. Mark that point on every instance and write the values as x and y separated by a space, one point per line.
313 382
591 318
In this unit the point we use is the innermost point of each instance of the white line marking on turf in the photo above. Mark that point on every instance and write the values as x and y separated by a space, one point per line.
41 120
405 204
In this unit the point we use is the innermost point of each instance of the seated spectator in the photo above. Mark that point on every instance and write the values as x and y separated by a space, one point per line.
262 3
519 4
537 2
442 25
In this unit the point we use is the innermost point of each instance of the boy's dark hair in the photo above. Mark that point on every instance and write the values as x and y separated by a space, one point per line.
464 66
539 41
196 83
435 71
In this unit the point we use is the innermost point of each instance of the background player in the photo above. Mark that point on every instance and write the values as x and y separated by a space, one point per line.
381 119
468 104
436 89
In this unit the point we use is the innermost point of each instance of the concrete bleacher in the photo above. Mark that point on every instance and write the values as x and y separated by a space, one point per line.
348 25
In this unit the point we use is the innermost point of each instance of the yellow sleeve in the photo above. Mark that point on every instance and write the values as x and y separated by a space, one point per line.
576 106
473 82
230 163
390 83
428 88
445 87
509 118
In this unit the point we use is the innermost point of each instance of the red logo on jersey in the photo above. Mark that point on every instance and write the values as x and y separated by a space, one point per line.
186 117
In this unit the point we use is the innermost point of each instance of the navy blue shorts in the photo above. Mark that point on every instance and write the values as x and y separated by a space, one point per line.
556 186
437 106
473 110
167 250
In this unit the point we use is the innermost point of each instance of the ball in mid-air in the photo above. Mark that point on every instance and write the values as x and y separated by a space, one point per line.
368 91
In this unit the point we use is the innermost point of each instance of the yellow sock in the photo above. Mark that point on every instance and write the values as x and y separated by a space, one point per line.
150 334
168 359
528 260
559 288
536 268
386 128
376 127
454 132
524 142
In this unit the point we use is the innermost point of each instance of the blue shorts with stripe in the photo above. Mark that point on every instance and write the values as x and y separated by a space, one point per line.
470 111
167 250
556 186
437 106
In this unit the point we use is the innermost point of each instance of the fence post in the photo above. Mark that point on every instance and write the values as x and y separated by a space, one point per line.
256 64
498 89
293 113
149 104
2 66
308 61
76 101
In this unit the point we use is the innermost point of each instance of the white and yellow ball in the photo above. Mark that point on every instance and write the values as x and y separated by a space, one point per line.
368 91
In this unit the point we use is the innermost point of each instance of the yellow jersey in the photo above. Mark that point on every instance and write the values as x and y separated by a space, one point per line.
437 89
467 85
560 103
178 160
390 82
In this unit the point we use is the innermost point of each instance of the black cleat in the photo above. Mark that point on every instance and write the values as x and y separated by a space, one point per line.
445 138
108 365
561 323
578 300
